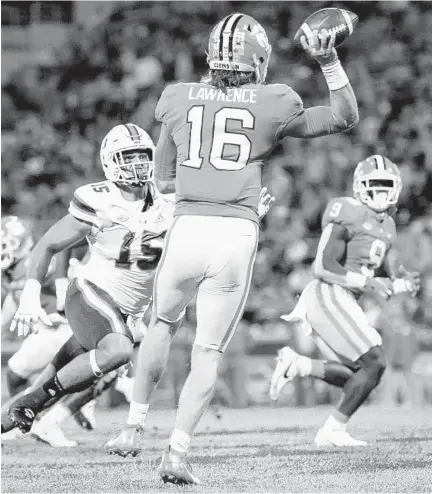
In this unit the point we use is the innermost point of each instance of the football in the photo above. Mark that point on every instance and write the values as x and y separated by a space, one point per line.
341 21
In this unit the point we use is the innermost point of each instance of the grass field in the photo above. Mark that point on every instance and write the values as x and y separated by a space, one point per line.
253 450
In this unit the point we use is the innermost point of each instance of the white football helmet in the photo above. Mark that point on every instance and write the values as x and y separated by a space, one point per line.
16 240
127 155
377 183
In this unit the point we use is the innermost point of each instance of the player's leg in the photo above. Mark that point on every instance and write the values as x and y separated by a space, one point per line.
291 364
67 352
340 322
48 428
174 286
109 345
220 304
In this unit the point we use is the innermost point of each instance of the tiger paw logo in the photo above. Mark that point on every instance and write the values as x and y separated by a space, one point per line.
261 37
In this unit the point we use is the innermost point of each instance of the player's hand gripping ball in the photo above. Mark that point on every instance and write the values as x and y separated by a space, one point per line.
323 30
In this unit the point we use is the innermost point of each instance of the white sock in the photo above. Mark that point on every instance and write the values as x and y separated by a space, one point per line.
332 424
180 441
57 415
304 366
125 386
137 413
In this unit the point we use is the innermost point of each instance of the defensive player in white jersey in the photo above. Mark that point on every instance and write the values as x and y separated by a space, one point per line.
356 255
216 137
124 220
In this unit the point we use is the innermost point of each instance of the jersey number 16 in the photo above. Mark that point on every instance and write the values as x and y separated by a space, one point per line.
220 138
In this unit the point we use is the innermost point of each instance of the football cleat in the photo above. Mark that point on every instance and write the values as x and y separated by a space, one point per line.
127 442
284 372
23 413
176 469
51 434
86 416
339 438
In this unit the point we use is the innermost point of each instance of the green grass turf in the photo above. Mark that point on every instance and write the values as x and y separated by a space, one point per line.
253 450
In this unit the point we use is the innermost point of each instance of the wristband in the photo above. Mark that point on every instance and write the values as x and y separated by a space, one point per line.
400 285
355 280
335 75
32 286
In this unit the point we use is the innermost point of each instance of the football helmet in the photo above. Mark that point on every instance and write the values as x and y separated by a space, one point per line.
127 155
239 43
16 239
377 182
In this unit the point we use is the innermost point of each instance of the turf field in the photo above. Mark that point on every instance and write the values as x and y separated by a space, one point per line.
253 450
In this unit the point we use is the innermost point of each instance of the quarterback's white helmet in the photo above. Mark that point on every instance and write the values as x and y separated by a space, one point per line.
127 155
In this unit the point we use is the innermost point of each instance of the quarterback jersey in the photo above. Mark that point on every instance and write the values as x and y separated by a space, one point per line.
125 241
223 141
371 234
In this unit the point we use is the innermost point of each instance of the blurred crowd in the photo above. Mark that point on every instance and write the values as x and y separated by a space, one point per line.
56 111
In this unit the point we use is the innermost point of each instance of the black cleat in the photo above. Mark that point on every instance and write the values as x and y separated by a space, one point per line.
22 417
176 469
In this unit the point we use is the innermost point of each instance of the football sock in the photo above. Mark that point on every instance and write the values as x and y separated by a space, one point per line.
125 386
180 441
137 413
304 366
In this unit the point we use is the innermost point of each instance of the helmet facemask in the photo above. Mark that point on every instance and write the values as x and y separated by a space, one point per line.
133 166
378 190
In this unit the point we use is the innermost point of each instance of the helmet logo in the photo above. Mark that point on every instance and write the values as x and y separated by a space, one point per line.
261 37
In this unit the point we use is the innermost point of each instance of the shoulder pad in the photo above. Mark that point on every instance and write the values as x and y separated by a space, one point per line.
344 211
87 201
166 101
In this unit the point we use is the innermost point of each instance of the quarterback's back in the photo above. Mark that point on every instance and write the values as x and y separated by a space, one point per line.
223 139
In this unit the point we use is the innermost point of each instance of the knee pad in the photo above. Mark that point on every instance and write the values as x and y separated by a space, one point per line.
15 383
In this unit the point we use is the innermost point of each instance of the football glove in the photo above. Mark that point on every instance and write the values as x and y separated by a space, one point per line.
265 203
409 283
379 286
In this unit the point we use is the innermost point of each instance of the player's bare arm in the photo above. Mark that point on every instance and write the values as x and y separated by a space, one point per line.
64 234
342 114
165 162
331 250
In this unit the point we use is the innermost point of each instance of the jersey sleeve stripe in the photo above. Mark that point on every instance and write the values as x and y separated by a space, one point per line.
83 213
80 204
